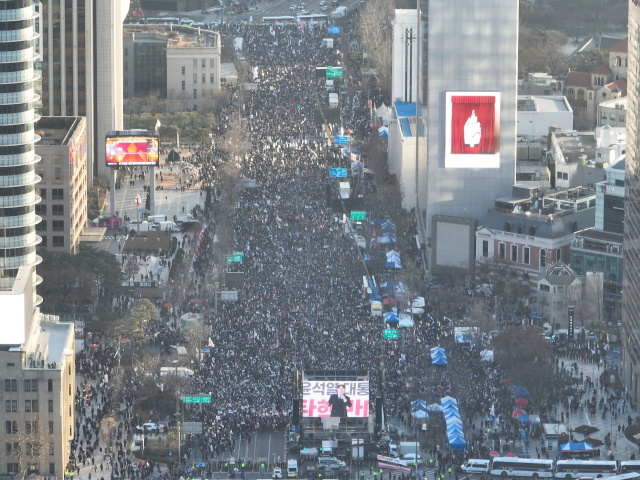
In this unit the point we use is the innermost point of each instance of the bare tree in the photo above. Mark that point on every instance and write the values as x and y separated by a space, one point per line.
376 35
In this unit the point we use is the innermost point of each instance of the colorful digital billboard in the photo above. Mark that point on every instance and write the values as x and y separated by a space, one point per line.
472 130
335 398
134 150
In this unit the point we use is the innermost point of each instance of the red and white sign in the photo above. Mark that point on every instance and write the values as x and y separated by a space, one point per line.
394 467
472 130
316 396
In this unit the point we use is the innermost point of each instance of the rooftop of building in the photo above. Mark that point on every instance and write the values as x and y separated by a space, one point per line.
558 274
57 337
531 103
619 85
573 148
405 109
621 47
147 37
603 42
181 36
618 164
600 236
620 103
56 130
578 79
601 70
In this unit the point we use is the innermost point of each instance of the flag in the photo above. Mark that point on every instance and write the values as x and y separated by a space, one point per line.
211 344
158 125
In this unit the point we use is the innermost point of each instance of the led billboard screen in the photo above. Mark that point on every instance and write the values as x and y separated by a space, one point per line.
132 150
335 398
472 130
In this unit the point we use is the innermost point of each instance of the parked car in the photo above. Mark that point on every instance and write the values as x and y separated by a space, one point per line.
292 7
277 473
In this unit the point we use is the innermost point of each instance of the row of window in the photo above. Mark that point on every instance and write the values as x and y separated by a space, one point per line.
203 64
204 78
11 426
13 448
57 173
57 241
11 385
33 468
56 225
41 209
515 255
11 406
195 80
56 194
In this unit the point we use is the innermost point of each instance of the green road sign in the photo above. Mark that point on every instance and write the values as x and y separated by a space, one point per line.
390 333
334 72
234 258
358 215
196 398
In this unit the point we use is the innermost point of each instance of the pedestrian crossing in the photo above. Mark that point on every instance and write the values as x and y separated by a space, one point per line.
430 474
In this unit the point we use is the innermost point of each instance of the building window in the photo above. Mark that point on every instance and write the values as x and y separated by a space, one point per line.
57 173
50 402
525 255
27 385
195 93
558 255
7 426
57 209
27 427
50 427
212 78
543 258
57 225
184 70
50 385
212 63
58 241
41 209
204 78
43 193
502 251
183 85
126 66
43 243
126 52
57 194
545 288
52 469
621 118
204 63
514 253
485 248
51 449
27 405
195 78
13 468
195 107
7 406
195 63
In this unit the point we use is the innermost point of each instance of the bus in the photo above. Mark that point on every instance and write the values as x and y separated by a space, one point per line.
278 20
314 19
522 467
162 21
585 468
629 466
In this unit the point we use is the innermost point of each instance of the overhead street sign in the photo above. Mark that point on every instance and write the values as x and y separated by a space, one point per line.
390 333
334 29
358 215
192 427
334 72
341 140
338 172
196 398
234 258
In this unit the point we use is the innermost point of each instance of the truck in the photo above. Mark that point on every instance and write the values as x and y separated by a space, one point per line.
333 100
292 468
143 227
185 218
157 218
409 447
339 12
167 227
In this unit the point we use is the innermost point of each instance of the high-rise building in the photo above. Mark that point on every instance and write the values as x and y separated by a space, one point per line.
472 63
404 79
18 196
631 236
73 84
36 351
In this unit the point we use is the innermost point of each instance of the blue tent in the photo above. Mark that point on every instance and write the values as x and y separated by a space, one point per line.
458 444
577 447
393 260
386 286
439 361
520 392
391 317
387 226
418 405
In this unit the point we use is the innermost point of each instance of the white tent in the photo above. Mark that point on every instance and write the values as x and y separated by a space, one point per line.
486 355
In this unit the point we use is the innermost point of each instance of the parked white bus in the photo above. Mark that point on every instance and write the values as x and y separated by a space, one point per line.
585 468
522 467
629 466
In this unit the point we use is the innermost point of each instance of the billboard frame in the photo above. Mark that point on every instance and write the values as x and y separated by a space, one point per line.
131 135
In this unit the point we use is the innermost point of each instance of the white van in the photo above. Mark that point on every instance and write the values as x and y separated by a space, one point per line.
476 465
157 218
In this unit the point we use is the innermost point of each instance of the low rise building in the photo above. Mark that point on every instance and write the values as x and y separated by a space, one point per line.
63 186
558 287
530 230
613 112
537 113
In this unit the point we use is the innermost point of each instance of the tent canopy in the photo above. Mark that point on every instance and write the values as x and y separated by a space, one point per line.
391 317
393 260
577 447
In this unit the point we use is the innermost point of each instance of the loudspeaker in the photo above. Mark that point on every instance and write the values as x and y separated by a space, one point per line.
378 411
296 411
